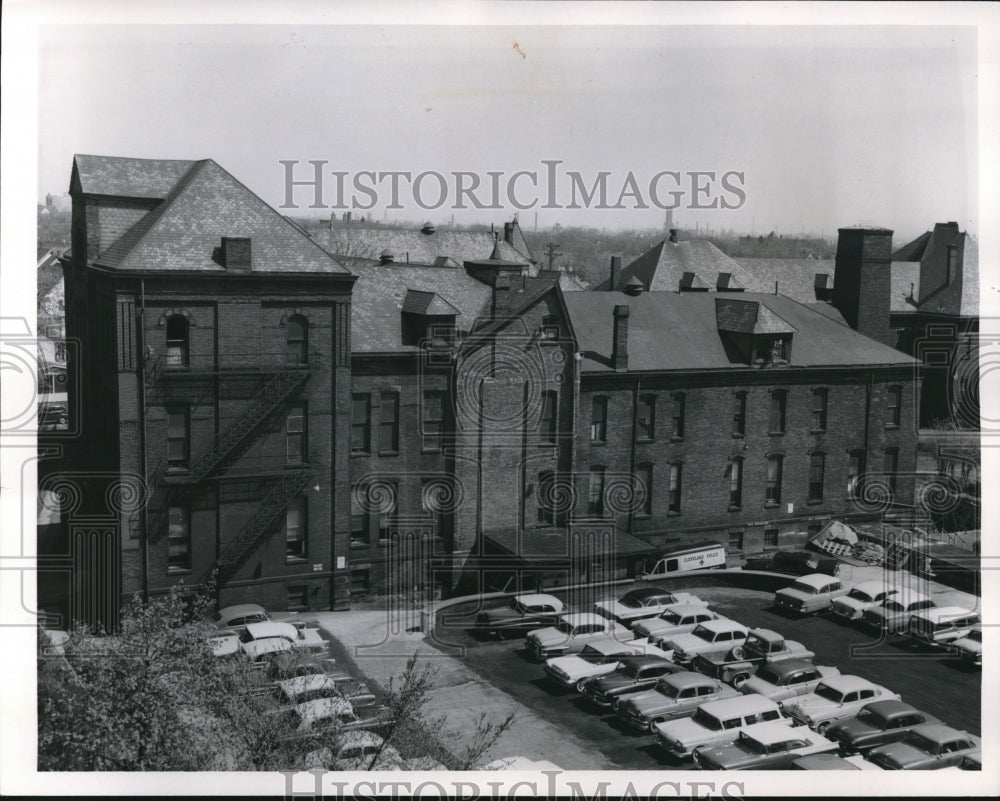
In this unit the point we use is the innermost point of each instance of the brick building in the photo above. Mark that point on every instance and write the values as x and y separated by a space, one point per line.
215 371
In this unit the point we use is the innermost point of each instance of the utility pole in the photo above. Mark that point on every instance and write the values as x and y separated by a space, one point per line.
551 252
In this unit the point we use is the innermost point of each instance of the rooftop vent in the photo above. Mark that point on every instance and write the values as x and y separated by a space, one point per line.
634 286
236 253
386 257
428 229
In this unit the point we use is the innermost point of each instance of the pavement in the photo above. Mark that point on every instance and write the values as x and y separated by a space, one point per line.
379 647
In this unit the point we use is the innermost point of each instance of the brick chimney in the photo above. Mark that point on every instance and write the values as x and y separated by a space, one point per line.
616 268
501 294
236 253
619 347
862 282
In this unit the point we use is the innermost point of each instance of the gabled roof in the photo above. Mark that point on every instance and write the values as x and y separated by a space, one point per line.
749 317
418 301
663 267
205 203
382 290
127 177
450 248
671 331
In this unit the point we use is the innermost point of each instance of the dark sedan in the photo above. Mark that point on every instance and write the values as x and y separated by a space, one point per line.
523 613
930 747
878 723
794 563
635 675
764 746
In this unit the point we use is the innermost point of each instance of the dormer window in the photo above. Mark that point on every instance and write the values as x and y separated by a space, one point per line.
752 333
550 327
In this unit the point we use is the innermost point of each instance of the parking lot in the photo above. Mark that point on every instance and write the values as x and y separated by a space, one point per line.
929 680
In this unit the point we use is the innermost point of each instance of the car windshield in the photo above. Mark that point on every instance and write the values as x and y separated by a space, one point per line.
871 718
631 601
804 588
632 671
925 744
517 606
769 675
704 634
668 689
893 606
707 720
827 692
976 636
591 654
672 618
565 627
860 595
750 744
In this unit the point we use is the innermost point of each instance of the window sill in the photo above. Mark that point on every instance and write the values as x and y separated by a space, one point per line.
776 433
431 450
296 560
735 508
673 513
547 444
817 430
814 502
388 453
357 545
178 571
675 438
891 426
598 443
360 453
645 440
772 504
739 435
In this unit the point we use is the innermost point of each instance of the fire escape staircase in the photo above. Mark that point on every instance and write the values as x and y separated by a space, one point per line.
274 391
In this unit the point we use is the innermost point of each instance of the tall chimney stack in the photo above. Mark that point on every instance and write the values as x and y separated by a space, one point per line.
619 348
861 281
673 234
616 268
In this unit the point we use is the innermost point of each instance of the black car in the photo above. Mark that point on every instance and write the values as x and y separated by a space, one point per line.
523 613
877 724
634 675
794 563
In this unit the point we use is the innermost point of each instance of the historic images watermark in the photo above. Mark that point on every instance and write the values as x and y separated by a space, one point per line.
546 186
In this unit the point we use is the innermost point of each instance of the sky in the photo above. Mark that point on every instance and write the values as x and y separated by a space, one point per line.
819 127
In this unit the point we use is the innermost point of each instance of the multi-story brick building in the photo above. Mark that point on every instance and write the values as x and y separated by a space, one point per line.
215 371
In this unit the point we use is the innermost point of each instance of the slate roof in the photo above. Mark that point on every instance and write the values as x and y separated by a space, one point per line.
671 331
382 290
930 248
904 285
428 303
663 267
128 177
796 278
205 203
450 248
748 317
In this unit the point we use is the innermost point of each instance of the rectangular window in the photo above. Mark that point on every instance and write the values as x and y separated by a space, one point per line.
298 597
360 414
178 436
890 467
677 428
295 529
778 398
546 513
388 512
819 410
595 492
736 540
644 477
388 439
736 483
817 467
892 406
674 490
770 538
599 420
774 465
178 538
550 327
547 425
359 521
740 414
433 420
295 436
646 417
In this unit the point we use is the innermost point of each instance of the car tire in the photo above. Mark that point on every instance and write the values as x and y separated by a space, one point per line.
822 727
652 724
580 685
737 652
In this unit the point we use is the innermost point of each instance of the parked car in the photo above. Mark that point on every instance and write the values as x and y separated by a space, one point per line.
573 631
298 637
599 656
764 746
633 675
520 614
876 724
795 563
674 696
787 678
643 602
810 594
675 619
710 637
236 617
225 643
355 750
929 747
860 597
894 613
738 665
942 626
264 650
834 699
716 723
832 762
970 647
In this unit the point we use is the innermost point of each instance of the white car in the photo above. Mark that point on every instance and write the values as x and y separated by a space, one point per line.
675 619
835 698
355 750
237 616
810 594
643 602
298 637
711 637
970 647
598 657
572 633
861 597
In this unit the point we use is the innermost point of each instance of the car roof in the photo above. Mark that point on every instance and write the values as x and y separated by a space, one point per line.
824 762
687 609
846 683
938 731
323 708
609 645
785 666
874 587
890 707
722 624
767 635
270 628
646 592
641 660
239 610
359 737
579 618
945 612
535 599
906 597
301 684
688 678
752 702
773 731
268 645
815 579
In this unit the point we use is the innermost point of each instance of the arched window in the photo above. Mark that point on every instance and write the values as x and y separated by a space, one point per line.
177 341
298 339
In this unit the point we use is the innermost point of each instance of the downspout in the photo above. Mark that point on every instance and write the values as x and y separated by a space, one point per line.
868 413
635 439
140 377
